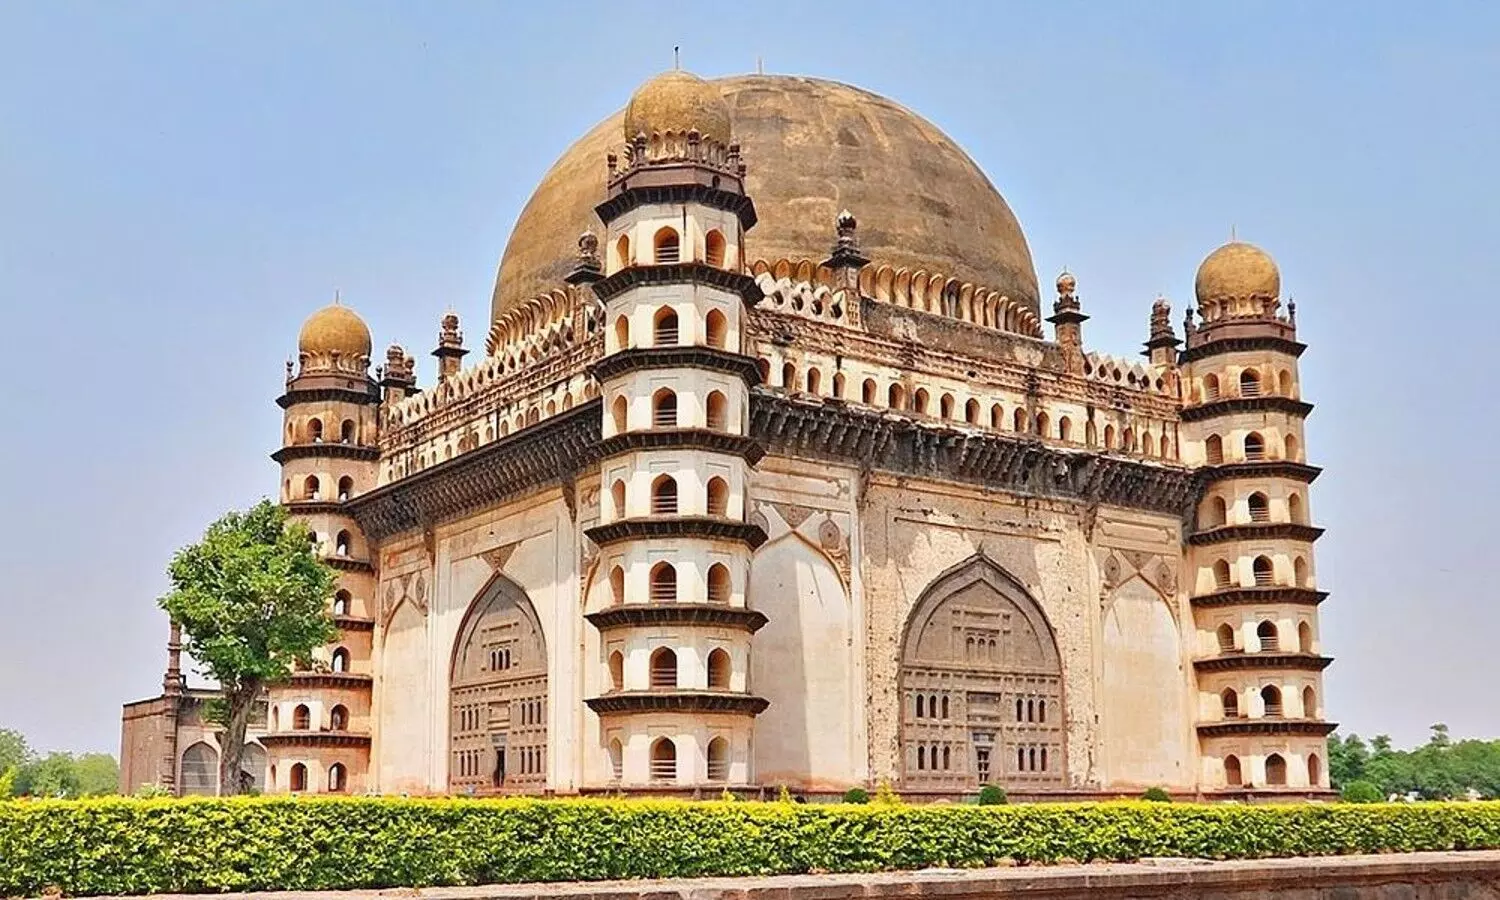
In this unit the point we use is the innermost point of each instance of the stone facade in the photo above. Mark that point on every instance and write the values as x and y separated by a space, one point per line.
701 519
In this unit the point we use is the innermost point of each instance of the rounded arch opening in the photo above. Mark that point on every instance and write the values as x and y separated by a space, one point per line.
663 760
663 583
719 585
716 329
664 668
664 496
667 246
719 669
1276 770
718 759
664 409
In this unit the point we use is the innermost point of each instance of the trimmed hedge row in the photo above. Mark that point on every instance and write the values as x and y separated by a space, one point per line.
129 846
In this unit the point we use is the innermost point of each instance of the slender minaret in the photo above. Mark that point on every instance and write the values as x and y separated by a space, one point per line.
318 737
1255 601
675 707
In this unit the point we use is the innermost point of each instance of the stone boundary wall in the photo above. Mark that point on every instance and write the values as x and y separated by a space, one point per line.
1406 876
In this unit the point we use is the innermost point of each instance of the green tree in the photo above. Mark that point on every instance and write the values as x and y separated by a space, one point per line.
14 752
96 774
53 775
1347 758
252 599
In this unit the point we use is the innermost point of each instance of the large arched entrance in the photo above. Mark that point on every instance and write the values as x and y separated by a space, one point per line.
498 696
981 686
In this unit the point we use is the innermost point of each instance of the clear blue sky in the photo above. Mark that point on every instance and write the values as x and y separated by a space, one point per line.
182 183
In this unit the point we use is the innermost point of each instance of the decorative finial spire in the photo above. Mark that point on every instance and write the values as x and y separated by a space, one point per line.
1233 236
845 253
676 57
760 65
338 298
588 268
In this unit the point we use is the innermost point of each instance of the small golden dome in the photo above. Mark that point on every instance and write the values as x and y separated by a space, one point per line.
1237 271
679 102
335 329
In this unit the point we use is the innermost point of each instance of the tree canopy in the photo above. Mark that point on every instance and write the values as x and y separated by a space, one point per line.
1440 769
23 773
252 600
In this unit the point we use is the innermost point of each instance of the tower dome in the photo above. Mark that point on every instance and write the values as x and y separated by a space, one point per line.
677 102
1237 271
812 148
335 329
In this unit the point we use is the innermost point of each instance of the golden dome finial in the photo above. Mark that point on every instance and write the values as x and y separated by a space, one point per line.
1237 271
677 102
335 329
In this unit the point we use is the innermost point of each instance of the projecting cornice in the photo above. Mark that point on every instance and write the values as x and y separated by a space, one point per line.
694 273
678 701
1301 662
716 615
1270 468
712 528
1231 405
326 451
747 448
1239 727
1256 531
708 359
1216 346
368 397
315 739
1259 596
558 449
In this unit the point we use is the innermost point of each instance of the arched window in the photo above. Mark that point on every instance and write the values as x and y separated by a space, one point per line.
838 385
339 662
1255 447
1225 635
896 397
1042 424
664 668
1148 444
617 498
200 770
298 781
343 546
713 248
718 669
664 496
921 756
1249 383
719 585
338 718
1232 775
718 496
663 760
1264 574
1213 450
814 381
997 416
1109 437
617 671
919 401
346 432
718 759
1265 632
867 392
664 331
622 252
338 778
1018 420
1215 512
1210 387
315 430
663 583
1275 770
342 601
664 409
619 412
1270 695
301 718
717 408
1223 577
1260 507
1127 440
1299 572
945 406
921 705
1294 509
1314 770
1304 637
971 411
346 488
1065 429
1090 433
617 585
716 329
1309 703
311 490
616 759
667 248
622 333
1284 384
1231 703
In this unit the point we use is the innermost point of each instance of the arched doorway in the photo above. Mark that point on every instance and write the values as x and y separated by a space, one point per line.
498 696
981 685
200 770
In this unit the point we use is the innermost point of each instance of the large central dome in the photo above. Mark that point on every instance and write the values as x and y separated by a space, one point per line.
812 148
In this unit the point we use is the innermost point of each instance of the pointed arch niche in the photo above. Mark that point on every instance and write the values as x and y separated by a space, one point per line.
981 655
497 700
1143 704
803 663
